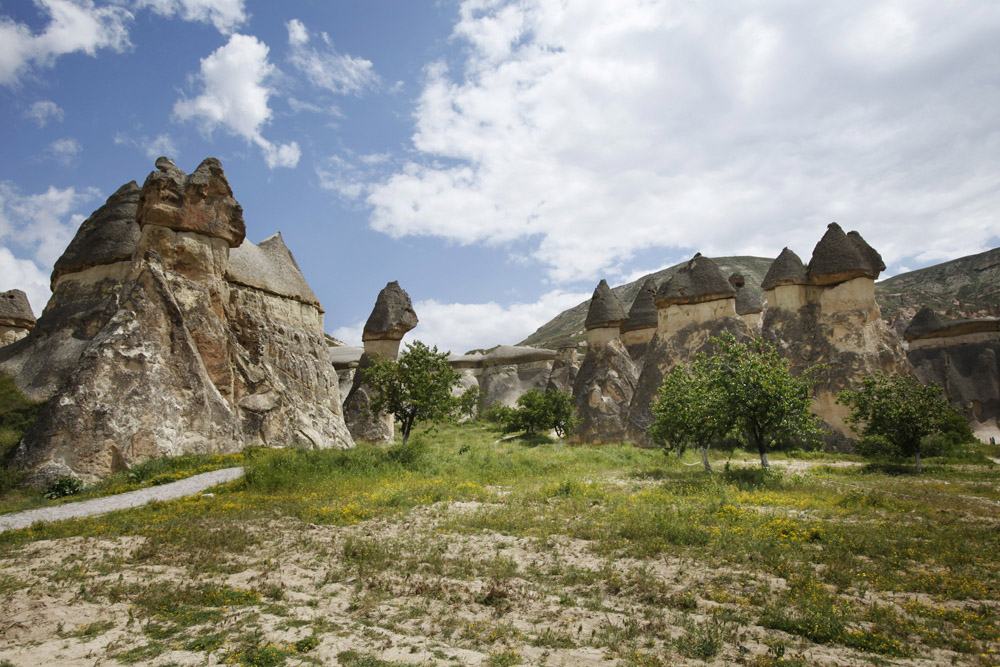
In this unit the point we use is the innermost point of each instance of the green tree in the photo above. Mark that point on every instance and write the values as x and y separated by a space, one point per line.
766 403
467 404
690 409
415 387
899 410
539 411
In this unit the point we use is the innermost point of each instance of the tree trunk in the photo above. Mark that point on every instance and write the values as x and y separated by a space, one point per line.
917 457
704 459
763 458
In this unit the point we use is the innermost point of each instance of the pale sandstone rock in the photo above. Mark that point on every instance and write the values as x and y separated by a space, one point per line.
509 371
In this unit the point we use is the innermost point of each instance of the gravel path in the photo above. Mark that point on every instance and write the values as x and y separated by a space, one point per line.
84 508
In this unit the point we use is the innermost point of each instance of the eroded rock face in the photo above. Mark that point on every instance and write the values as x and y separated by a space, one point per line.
830 317
16 318
509 371
963 357
163 354
390 319
602 391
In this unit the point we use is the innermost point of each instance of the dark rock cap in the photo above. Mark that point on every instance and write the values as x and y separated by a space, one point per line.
746 301
836 259
787 269
15 311
605 308
392 316
926 321
202 203
109 235
697 281
868 252
642 314
271 267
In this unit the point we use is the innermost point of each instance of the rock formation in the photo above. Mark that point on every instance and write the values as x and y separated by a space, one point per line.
16 318
963 357
564 369
389 321
640 327
748 306
695 305
826 314
508 371
154 343
606 380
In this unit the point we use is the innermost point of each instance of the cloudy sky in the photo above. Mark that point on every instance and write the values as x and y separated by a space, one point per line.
499 158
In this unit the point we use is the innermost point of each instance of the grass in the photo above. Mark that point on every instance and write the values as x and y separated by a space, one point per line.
525 552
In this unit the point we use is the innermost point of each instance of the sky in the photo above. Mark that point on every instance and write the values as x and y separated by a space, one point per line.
498 158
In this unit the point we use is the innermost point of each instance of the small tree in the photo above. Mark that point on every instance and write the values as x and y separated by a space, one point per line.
899 410
762 397
690 410
467 404
541 411
415 387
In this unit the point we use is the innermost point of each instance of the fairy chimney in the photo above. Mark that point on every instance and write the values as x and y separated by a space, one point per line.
16 318
640 326
695 294
605 316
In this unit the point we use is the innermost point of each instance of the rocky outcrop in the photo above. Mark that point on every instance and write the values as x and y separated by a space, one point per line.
508 371
640 327
695 305
86 286
606 380
390 319
169 352
748 306
827 314
562 377
16 318
963 357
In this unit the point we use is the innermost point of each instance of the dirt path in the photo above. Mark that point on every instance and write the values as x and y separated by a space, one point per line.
178 489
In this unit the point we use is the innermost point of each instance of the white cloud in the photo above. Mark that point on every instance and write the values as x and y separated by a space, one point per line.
600 130
74 25
151 147
42 223
43 111
235 97
328 69
460 327
64 151
225 15
24 274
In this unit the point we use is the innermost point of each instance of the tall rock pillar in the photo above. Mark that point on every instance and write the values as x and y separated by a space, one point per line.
389 321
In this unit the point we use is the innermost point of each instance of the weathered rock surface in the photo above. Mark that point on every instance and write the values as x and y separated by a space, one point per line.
832 318
390 319
509 371
602 392
562 377
163 355
963 357
16 318
640 326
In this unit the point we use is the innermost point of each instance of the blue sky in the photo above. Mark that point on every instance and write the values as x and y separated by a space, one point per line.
499 158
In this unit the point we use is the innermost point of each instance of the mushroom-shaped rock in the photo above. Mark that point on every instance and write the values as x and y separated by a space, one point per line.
642 314
108 236
271 267
747 302
605 308
15 311
837 259
392 316
787 269
697 281
926 321
201 202
868 252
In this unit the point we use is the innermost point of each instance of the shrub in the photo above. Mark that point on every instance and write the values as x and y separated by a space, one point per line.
62 487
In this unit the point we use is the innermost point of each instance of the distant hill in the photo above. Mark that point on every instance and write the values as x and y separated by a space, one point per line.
964 287
568 325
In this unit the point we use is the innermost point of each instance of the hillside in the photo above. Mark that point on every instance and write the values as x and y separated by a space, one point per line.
568 325
963 287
